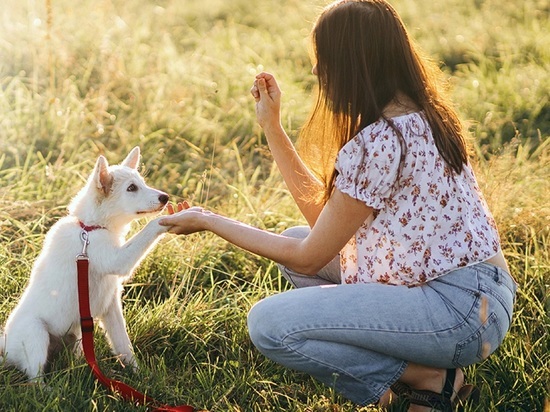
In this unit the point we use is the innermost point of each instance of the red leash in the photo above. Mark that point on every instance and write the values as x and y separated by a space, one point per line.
87 327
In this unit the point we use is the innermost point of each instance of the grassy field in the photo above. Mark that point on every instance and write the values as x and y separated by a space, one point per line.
82 78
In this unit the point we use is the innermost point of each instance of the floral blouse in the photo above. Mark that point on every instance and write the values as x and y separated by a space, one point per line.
427 219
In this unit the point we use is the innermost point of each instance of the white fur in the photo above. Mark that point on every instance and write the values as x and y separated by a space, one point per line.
47 312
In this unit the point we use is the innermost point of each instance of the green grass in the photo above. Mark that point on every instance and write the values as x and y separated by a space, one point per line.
82 78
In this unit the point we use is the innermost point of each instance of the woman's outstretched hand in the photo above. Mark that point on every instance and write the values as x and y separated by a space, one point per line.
184 219
267 95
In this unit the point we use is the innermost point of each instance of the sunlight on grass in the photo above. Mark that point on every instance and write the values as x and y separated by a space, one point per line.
82 78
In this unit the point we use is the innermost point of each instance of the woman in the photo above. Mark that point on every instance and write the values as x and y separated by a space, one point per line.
421 288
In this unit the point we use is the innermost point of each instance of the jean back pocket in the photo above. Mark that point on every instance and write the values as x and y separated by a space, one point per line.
480 344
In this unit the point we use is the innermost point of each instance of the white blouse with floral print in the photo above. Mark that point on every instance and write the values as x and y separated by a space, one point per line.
427 221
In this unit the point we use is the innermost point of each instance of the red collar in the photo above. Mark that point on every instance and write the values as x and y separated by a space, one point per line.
89 228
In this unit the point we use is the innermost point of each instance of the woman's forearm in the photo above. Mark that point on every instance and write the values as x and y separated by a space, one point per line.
300 181
336 224
302 184
284 250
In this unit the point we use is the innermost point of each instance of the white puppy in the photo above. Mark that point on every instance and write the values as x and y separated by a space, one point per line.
47 314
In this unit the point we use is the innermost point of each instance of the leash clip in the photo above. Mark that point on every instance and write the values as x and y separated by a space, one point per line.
85 243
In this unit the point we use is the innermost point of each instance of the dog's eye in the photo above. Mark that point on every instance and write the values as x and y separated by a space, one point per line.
132 188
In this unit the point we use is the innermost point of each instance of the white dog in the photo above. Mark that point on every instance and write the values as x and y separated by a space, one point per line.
47 316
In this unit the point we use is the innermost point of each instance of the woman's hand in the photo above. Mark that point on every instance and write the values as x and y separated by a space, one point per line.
184 219
267 95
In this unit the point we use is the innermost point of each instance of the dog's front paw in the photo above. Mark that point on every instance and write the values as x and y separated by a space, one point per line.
159 229
130 362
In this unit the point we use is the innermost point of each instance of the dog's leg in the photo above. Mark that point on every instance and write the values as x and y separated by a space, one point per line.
131 253
115 328
27 348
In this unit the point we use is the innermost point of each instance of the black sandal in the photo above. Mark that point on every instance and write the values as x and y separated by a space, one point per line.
438 401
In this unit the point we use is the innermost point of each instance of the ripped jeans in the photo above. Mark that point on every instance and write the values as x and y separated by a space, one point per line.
359 338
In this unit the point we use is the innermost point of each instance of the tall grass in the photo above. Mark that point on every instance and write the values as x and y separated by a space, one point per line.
82 78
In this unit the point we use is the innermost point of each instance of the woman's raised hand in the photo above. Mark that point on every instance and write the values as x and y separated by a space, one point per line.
267 95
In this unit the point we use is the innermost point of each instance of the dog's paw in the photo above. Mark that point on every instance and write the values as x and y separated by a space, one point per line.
38 381
160 229
78 349
129 362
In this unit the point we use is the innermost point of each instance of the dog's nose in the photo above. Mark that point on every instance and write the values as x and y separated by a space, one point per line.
163 198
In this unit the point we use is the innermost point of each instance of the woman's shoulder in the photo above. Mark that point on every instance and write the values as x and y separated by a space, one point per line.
385 127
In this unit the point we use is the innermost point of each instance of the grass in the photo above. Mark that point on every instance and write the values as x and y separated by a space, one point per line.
79 79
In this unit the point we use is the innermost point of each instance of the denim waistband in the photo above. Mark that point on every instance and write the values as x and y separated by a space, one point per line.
499 275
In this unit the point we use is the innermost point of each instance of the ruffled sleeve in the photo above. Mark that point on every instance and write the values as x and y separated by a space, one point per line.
368 165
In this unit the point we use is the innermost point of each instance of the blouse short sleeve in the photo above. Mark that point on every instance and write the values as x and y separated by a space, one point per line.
368 165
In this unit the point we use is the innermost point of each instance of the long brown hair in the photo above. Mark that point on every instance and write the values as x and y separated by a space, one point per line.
364 58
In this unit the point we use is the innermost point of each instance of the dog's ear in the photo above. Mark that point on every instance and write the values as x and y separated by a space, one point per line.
102 178
133 158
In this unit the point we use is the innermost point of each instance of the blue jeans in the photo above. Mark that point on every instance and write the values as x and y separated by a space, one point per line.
359 338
